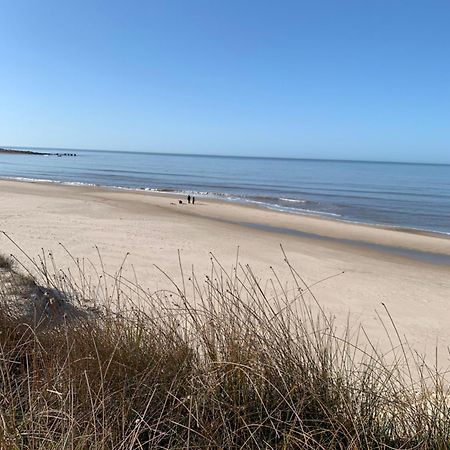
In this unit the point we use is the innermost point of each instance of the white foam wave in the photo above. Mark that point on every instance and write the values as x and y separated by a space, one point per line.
289 208
292 200
302 211
75 183
45 180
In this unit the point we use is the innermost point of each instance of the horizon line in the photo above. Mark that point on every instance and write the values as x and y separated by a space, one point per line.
288 158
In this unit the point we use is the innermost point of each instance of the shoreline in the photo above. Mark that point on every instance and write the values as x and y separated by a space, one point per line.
220 197
348 265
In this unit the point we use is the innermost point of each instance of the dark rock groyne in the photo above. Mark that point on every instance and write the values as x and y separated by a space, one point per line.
31 152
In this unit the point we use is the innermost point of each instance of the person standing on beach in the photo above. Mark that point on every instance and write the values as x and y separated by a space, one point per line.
189 199
193 199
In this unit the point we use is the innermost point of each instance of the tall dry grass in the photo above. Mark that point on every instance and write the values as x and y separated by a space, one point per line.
222 362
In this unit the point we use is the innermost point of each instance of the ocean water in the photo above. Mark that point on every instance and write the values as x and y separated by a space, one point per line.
413 196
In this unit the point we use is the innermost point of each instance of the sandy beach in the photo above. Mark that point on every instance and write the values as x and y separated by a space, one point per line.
361 266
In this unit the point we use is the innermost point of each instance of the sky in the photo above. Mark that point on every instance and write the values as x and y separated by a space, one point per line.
340 79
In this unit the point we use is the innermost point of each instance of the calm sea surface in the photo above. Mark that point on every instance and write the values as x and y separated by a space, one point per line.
399 195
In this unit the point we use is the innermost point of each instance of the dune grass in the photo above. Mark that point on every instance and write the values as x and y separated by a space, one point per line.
222 362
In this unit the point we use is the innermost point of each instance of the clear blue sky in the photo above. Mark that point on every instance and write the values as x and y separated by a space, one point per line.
317 79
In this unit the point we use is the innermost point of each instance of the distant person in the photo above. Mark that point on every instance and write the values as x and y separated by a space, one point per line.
193 199
189 199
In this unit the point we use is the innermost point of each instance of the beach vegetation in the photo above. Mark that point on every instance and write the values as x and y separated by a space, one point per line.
223 361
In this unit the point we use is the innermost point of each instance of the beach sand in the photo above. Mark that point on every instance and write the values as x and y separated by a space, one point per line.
361 266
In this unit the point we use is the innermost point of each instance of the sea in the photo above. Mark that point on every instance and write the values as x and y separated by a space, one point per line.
398 195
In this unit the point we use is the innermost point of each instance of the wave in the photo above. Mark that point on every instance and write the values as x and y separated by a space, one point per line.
303 211
292 200
46 180
275 205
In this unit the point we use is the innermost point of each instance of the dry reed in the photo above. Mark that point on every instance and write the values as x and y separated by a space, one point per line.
221 362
